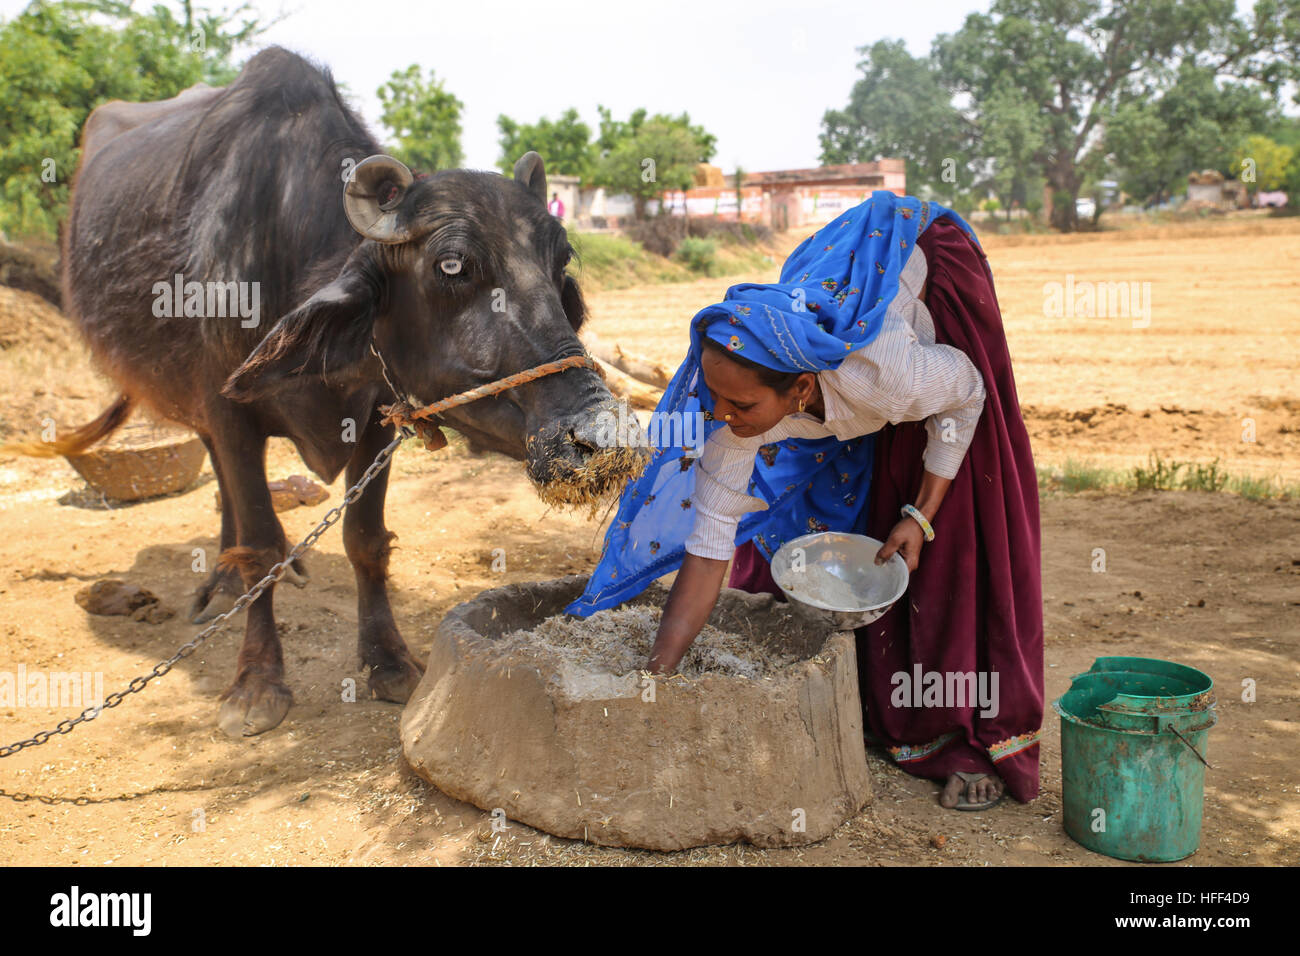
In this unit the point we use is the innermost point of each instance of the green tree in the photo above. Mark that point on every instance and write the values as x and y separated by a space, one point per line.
1156 138
423 118
61 60
1014 140
1056 91
1286 131
646 155
901 108
565 144
1262 164
1077 60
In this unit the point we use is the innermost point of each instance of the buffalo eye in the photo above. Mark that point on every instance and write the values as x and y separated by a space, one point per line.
452 265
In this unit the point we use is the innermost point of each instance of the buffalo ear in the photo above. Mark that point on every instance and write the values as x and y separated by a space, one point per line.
530 172
575 307
327 336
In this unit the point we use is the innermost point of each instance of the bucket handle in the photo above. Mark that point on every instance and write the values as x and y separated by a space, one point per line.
1189 746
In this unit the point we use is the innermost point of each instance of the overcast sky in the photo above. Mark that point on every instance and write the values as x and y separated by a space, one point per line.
757 74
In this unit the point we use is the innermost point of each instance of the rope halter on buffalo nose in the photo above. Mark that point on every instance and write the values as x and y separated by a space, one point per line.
402 414
601 474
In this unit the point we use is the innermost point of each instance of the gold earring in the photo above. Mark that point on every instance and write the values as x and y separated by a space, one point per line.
800 406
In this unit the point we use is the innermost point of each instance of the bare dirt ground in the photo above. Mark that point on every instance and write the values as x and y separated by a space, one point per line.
1220 347
1209 580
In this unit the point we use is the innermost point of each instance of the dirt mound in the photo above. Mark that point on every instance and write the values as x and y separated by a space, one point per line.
45 368
32 269
1258 434
27 319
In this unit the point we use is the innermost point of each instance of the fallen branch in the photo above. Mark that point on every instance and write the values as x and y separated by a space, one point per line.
624 386
611 353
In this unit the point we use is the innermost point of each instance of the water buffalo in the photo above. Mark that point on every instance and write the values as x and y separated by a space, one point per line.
325 255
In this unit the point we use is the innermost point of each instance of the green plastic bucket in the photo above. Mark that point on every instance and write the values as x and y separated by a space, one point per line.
1133 756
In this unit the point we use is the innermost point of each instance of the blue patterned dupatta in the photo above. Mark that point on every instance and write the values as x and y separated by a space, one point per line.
830 300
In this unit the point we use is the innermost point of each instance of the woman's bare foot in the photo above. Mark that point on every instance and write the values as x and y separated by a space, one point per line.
971 791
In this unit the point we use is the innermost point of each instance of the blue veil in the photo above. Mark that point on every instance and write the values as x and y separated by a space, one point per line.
830 300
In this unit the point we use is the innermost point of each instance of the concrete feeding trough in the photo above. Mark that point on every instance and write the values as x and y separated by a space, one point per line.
551 721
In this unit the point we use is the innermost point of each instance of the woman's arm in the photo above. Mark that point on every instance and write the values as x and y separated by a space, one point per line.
720 500
907 536
691 600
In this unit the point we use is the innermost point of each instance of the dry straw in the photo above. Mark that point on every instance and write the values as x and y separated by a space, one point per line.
602 475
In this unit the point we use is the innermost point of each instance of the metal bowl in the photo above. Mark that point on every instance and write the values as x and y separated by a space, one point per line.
833 577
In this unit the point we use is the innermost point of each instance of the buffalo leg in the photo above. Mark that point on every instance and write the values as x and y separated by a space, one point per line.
218 592
393 671
258 698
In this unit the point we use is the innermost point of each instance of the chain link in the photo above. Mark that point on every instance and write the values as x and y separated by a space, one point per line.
252 594
331 518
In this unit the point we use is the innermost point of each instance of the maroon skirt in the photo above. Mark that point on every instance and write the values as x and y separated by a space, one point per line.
951 678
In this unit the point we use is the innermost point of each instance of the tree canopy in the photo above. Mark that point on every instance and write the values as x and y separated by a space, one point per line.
1194 124
423 118
646 155
1056 90
565 144
61 60
901 107
642 155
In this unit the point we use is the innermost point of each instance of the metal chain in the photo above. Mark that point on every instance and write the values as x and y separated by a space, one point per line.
331 518
252 594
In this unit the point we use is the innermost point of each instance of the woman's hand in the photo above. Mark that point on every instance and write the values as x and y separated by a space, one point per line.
906 539
907 536
689 604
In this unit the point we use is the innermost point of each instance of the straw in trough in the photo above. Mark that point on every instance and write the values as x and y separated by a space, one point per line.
618 642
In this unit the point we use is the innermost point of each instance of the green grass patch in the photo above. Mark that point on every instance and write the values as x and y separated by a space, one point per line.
698 255
607 261
610 261
1160 474
1261 489
734 258
1075 476
1203 477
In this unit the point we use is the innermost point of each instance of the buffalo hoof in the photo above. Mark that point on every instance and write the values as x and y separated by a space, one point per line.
296 574
215 596
218 593
395 681
254 705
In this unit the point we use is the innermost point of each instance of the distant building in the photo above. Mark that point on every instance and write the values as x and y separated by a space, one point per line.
1209 189
782 199
566 187
794 198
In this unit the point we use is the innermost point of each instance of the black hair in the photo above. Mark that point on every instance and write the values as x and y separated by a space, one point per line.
771 377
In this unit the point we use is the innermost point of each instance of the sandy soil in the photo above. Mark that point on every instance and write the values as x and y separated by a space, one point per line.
1209 580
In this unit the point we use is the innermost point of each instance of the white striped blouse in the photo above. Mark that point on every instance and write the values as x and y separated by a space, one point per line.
900 376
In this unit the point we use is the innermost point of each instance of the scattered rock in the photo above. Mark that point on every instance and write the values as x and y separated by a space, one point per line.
113 596
288 493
